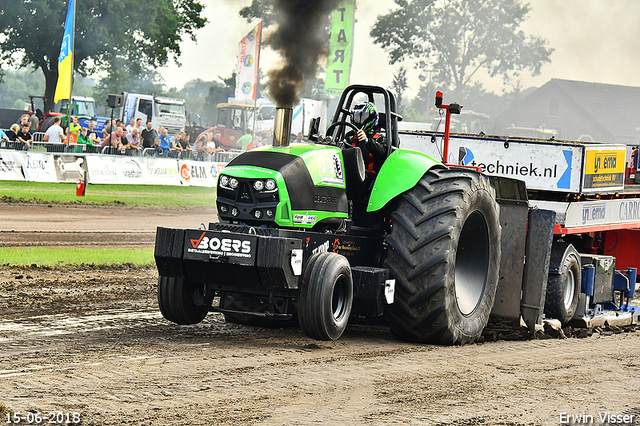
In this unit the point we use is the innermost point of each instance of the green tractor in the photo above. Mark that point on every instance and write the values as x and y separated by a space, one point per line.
307 234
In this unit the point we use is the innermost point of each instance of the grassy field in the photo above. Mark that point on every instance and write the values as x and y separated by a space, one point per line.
131 195
56 256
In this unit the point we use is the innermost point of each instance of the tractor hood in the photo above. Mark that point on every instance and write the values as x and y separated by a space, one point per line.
297 186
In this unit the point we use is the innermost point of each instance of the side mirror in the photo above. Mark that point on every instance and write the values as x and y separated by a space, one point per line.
314 128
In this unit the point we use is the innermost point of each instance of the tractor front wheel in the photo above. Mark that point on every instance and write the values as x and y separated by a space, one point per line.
177 300
326 295
445 256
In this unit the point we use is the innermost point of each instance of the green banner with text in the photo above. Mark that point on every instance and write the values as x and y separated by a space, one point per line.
340 48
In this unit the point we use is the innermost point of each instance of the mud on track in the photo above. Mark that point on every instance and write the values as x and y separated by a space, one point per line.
93 341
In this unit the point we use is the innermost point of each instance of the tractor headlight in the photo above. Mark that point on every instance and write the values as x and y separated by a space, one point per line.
269 213
258 185
270 184
233 183
224 209
224 181
257 214
235 212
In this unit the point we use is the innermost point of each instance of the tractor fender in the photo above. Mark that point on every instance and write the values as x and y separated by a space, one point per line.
400 172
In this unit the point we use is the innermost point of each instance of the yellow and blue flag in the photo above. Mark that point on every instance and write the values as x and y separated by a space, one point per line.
65 60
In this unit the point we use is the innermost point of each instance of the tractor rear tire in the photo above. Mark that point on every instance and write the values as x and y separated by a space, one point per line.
563 286
445 256
46 124
176 298
326 296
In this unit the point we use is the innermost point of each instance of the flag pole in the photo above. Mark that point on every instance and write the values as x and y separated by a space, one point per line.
255 95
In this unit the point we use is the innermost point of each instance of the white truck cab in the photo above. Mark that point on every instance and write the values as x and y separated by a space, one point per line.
162 111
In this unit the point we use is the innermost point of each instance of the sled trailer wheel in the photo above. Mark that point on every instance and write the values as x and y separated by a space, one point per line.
565 280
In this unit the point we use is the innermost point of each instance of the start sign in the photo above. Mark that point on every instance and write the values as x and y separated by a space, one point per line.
340 48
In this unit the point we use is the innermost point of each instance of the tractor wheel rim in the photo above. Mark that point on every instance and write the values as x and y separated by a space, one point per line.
472 263
569 289
339 298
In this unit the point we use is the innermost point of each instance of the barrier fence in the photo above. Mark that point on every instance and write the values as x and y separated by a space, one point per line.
51 166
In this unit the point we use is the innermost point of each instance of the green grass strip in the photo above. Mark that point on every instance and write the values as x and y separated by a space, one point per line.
130 195
60 256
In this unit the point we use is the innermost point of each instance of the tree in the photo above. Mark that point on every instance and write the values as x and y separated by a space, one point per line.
150 32
460 37
398 86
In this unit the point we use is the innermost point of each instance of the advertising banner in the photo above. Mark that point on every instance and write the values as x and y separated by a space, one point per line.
11 164
550 166
340 48
40 167
604 168
247 69
199 173
163 171
70 168
117 169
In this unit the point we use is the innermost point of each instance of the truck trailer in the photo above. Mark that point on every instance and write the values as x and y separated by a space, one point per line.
307 234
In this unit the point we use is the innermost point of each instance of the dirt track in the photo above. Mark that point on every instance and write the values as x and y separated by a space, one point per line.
93 341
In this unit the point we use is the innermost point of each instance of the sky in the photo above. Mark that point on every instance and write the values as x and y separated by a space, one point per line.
594 40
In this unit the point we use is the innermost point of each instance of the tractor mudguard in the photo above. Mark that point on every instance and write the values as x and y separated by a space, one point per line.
400 172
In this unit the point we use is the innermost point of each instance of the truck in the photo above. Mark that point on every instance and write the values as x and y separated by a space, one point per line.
160 110
83 106
307 234
235 116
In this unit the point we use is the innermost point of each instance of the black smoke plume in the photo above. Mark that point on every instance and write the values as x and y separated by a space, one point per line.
301 38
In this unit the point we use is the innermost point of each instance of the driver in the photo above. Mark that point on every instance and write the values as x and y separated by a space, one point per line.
373 145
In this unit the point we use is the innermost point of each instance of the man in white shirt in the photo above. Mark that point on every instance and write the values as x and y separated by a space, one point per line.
132 125
54 134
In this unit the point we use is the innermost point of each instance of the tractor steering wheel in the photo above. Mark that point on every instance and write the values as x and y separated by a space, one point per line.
341 123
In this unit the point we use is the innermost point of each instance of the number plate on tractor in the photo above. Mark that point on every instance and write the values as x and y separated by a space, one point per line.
220 246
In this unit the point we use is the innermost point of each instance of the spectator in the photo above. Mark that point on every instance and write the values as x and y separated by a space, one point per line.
181 144
201 147
133 140
24 137
139 124
162 143
3 136
108 128
132 124
83 139
33 120
246 139
24 119
299 138
149 136
12 134
113 140
92 135
73 131
54 133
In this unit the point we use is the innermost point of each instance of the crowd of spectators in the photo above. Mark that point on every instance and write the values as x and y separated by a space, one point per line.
130 139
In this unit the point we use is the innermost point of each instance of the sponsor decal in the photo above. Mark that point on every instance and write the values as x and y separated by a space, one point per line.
325 199
248 60
604 168
131 170
305 219
629 210
322 248
337 164
229 247
185 173
594 213
246 88
330 168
